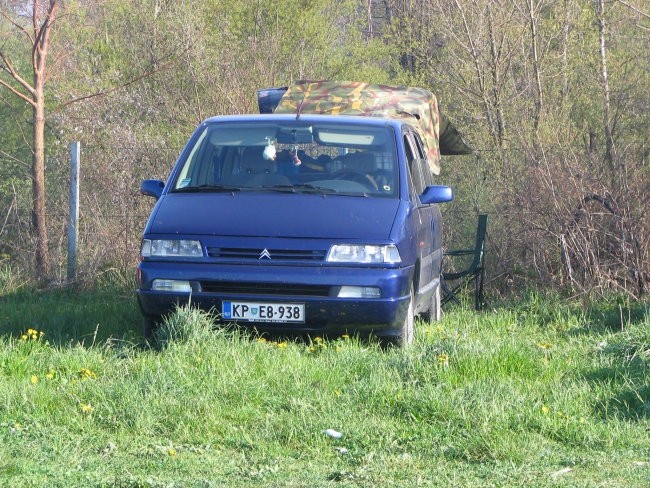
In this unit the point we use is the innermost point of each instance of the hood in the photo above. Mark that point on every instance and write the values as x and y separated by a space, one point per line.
250 214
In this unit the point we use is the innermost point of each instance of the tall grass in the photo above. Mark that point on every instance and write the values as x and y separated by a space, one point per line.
544 393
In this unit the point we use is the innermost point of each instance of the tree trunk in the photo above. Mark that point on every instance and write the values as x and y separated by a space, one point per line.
539 101
565 54
43 262
610 150
43 16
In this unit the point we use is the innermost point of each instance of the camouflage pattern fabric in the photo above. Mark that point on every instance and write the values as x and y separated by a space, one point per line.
418 105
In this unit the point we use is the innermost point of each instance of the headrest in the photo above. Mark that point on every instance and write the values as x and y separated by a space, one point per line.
253 162
362 162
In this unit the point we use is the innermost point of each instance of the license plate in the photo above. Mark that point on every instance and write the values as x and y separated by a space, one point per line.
263 312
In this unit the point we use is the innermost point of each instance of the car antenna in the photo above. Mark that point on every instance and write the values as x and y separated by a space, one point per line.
299 109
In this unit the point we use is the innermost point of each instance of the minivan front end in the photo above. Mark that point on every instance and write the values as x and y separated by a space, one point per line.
286 224
315 286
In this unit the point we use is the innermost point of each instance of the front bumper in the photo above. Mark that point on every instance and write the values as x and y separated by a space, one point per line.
316 287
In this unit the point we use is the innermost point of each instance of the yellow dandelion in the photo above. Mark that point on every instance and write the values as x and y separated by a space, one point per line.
345 336
87 374
443 359
171 451
35 334
282 345
51 374
545 410
86 408
31 334
261 339
34 379
318 340
337 392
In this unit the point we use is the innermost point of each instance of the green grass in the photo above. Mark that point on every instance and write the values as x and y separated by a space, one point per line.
540 393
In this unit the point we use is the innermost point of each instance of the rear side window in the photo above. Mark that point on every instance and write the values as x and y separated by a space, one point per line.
415 163
424 165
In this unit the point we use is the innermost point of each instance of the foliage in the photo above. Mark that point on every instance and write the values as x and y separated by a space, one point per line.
522 80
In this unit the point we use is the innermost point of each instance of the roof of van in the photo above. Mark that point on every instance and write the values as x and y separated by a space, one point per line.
307 117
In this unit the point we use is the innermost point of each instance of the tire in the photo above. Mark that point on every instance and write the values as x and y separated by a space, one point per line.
407 332
149 326
434 313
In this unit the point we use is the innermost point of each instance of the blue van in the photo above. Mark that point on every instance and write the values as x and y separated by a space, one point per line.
309 224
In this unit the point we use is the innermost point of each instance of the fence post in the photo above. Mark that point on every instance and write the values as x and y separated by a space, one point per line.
73 222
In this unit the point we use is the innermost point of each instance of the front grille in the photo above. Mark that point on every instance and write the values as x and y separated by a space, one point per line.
265 289
247 254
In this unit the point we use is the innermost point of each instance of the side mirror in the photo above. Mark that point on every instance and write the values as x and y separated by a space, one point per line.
152 188
437 194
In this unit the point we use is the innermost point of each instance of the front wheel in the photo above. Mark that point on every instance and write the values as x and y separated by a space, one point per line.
434 312
150 324
407 332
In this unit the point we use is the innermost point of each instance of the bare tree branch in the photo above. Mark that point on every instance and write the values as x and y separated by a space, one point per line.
42 40
8 67
15 159
108 91
632 7
22 96
17 25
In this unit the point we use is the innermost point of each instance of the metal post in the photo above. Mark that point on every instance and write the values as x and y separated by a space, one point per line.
73 222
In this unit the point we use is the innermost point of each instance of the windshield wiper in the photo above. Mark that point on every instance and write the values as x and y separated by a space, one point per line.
303 188
207 188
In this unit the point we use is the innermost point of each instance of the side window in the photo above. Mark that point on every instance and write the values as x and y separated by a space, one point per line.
424 165
415 163
418 145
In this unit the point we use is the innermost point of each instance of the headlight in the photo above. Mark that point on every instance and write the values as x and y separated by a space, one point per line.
359 292
172 285
171 247
364 254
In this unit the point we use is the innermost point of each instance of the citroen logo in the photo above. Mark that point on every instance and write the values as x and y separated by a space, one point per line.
265 254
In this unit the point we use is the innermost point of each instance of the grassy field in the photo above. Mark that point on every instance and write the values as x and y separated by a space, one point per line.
540 393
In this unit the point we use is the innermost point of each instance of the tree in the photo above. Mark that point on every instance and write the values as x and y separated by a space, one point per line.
31 28
38 35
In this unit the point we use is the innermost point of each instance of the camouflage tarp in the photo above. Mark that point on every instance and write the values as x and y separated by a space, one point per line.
356 98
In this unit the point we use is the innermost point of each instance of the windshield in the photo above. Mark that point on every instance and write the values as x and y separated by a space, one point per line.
292 157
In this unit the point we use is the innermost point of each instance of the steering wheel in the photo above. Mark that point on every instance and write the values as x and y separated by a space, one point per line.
383 179
363 179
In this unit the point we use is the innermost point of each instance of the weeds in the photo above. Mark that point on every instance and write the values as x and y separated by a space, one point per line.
516 396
